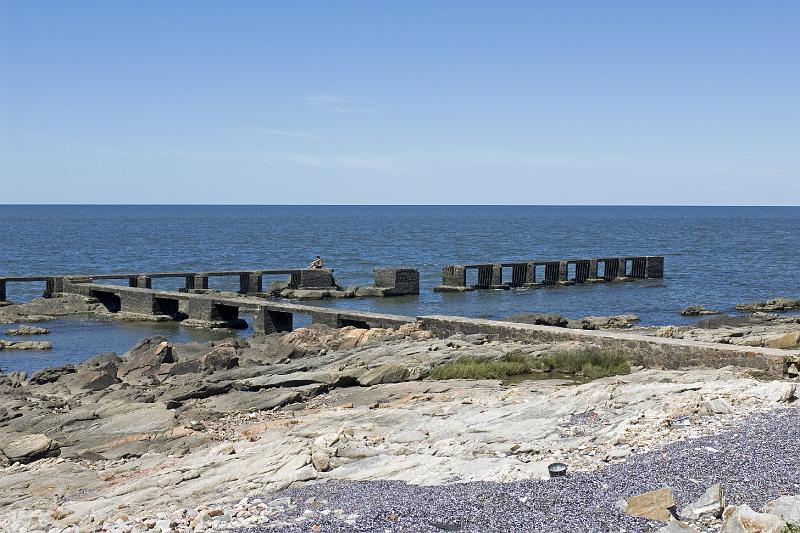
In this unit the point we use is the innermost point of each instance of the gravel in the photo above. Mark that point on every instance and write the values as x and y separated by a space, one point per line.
755 463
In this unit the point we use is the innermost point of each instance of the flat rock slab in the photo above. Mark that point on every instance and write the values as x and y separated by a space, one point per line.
655 505
30 448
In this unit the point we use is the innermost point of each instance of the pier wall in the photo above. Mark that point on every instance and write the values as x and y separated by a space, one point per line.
533 274
641 350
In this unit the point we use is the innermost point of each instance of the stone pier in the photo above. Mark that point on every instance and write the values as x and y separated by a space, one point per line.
524 274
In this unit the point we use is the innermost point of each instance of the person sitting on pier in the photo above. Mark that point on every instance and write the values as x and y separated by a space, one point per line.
316 263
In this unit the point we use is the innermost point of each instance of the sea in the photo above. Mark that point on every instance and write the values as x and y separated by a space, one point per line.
714 256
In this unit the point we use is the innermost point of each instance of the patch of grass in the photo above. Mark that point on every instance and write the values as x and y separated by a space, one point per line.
791 528
591 363
512 364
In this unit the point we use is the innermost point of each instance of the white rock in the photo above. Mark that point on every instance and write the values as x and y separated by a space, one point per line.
743 519
711 503
786 507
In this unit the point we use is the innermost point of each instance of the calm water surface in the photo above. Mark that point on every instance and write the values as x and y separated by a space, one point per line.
715 256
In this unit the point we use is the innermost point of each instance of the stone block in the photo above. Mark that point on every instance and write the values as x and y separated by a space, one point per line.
654 267
136 302
319 278
266 321
454 276
399 281
251 283
654 505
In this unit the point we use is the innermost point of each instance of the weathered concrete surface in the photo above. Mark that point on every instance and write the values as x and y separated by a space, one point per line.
652 352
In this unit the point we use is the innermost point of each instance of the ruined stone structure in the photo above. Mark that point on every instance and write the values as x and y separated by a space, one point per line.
534 274
388 281
211 310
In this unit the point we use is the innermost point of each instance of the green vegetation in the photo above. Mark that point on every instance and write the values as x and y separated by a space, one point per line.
590 363
511 364
791 528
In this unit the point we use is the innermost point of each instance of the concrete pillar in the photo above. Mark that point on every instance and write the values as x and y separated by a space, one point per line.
581 271
143 282
563 269
497 275
329 319
136 302
454 276
2 290
654 267
621 268
592 268
530 274
202 309
399 281
266 321
294 279
197 281
316 278
519 273
551 271
250 283
638 267
55 285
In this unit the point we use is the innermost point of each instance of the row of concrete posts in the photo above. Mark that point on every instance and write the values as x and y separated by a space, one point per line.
534 274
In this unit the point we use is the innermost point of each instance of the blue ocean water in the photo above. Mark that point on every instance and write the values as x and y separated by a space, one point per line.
715 256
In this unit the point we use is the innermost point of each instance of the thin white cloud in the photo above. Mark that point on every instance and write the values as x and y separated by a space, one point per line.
337 104
290 134
375 163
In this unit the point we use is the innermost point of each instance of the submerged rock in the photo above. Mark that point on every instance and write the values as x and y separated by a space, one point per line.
27 330
25 345
775 304
698 310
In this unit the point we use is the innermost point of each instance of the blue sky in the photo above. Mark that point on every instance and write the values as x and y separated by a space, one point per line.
403 102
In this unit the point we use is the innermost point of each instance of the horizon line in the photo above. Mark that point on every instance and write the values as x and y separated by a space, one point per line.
147 204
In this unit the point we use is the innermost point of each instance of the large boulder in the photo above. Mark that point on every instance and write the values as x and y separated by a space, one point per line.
30 448
52 374
146 361
384 374
784 340
743 519
785 507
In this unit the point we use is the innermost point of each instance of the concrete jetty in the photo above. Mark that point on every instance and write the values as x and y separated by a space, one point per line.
271 317
388 281
533 274
224 311
219 310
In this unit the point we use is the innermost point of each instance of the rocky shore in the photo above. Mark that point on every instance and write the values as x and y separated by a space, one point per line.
325 429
